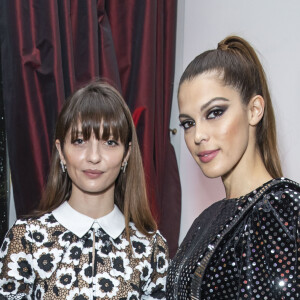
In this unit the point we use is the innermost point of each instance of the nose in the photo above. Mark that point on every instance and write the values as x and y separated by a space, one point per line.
201 134
94 151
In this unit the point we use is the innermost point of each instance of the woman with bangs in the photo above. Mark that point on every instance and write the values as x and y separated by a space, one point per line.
246 246
93 236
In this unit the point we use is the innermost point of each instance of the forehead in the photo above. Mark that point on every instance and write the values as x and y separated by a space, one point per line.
200 90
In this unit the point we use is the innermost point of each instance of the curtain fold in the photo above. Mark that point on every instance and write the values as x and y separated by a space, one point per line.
3 169
53 47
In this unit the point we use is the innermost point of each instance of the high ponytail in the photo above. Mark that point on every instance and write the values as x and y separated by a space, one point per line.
237 65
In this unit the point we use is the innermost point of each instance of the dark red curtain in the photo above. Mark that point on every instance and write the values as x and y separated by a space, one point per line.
49 48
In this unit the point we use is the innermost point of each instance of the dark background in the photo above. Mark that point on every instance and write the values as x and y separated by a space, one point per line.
50 48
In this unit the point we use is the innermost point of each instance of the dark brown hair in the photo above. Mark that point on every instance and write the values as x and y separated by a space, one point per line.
237 65
94 104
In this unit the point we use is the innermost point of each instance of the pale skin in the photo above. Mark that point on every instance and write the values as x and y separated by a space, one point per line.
220 133
93 167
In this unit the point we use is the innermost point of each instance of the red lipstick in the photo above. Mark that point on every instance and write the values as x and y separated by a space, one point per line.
207 156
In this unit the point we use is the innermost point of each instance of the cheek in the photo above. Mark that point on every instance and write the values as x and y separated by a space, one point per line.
189 141
114 160
74 158
234 129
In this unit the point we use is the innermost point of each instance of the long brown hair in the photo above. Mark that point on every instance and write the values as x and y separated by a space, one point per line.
237 65
94 104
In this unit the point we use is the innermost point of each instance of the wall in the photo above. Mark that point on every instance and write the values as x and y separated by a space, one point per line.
272 27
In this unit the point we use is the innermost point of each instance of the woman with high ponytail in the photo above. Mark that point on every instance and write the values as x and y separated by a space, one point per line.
247 245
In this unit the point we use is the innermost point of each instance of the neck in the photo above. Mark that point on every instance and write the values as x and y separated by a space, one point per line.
92 205
245 178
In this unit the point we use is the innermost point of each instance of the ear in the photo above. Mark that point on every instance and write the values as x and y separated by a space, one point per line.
128 153
58 147
256 108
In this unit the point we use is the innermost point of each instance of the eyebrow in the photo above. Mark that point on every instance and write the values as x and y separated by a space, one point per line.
204 106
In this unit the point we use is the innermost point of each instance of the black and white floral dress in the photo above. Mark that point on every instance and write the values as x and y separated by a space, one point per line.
67 255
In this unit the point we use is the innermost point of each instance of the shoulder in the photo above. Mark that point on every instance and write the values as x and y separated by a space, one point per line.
43 222
32 230
283 194
152 237
279 206
154 242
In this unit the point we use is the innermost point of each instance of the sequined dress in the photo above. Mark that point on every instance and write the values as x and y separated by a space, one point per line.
245 248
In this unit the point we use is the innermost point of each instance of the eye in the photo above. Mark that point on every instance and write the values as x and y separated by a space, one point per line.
215 113
78 142
112 143
186 124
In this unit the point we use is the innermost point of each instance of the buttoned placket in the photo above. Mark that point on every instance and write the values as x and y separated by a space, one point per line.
95 227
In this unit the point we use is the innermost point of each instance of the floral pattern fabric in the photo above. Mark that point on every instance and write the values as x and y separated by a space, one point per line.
41 259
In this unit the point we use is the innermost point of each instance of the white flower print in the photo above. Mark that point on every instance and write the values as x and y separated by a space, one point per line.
39 292
65 278
104 243
105 285
105 247
140 247
65 238
137 232
35 234
4 247
8 287
21 221
21 267
145 269
133 296
120 244
87 241
49 220
162 263
158 285
86 273
63 263
45 261
120 265
79 294
73 254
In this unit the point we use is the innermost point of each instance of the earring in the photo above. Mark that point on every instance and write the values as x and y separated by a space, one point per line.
123 168
63 167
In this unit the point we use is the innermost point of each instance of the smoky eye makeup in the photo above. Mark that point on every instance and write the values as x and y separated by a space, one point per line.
216 112
186 124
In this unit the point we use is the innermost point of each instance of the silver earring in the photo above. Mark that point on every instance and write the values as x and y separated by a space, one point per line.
63 167
123 168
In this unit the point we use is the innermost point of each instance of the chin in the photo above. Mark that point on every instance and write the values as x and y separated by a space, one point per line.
211 173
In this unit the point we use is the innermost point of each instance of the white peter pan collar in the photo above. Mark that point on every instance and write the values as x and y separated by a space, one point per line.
113 223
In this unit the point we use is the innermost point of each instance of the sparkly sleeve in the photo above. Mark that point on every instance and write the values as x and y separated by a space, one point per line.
155 286
270 254
16 271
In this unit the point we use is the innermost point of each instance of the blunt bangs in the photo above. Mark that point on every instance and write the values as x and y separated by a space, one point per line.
97 112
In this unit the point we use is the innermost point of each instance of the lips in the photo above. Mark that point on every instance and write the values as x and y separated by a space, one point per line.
93 173
207 156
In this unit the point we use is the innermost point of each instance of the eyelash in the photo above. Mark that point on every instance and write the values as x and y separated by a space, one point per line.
78 142
186 124
112 143
216 112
